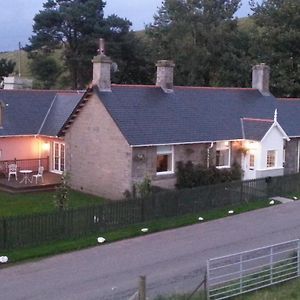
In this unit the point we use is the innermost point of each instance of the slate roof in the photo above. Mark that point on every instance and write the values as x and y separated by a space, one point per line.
289 115
255 129
148 116
32 112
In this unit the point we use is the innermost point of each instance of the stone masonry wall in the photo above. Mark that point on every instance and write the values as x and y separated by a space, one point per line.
196 153
291 157
97 155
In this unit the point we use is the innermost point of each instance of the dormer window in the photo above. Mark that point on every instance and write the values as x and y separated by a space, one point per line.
2 106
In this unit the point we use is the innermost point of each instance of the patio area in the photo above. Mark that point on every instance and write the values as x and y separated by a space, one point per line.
51 180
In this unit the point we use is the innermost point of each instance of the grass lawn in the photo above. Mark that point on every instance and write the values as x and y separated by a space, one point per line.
127 232
43 202
289 290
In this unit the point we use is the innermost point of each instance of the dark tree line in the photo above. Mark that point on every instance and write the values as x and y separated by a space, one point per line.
209 45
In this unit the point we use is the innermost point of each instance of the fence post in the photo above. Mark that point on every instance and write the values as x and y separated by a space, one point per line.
242 192
207 281
271 265
241 273
4 234
142 209
205 285
142 288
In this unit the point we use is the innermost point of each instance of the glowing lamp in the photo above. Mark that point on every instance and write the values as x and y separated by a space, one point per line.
46 146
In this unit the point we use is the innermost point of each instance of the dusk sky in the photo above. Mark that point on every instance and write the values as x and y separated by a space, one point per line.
16 17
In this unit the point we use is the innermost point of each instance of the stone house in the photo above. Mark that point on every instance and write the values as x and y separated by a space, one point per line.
125 133
112 136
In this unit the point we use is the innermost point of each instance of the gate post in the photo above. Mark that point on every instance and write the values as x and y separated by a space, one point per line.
298 258
5 246
142 288
207 281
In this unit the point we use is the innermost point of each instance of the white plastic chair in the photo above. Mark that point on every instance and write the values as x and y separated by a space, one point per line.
39 174
12 170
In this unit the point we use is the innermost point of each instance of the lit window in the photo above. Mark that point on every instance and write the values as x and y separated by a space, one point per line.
271 158
164 159
251 161
223 154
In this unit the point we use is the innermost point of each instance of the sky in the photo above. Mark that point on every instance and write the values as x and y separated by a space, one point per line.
16 17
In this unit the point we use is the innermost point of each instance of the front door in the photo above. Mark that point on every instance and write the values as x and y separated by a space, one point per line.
58 157
249 162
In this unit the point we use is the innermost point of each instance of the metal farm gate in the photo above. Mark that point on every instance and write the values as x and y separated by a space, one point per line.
248 271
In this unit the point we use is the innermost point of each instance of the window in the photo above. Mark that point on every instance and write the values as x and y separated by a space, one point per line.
223 154
271 158
58 157
251 161
164 160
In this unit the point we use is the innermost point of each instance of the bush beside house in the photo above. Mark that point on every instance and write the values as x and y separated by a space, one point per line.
189 175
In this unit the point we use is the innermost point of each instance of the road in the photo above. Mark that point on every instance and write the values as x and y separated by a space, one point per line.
173 261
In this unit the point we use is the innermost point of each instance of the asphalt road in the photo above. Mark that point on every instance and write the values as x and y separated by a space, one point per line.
173 261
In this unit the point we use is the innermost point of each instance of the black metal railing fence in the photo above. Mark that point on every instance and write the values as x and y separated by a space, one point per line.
23 231
24 164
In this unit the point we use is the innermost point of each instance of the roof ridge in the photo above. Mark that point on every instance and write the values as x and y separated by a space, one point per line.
289 99
47 91
134 85
183 87
258 120
47 114
215 88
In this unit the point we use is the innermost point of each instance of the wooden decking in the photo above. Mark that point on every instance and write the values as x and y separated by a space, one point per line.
51 180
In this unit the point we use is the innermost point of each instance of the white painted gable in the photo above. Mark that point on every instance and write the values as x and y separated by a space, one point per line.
273 141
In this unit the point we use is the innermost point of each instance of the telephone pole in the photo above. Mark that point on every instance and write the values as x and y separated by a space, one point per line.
19 59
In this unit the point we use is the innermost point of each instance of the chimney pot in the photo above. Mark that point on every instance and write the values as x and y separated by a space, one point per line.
102 69
165 73
261 78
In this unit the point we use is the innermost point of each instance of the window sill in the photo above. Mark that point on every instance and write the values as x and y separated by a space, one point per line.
165 173
223 167
271 168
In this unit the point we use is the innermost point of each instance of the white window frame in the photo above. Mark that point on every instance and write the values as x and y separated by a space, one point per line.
59 144
163 150
251 167
224 146
275 159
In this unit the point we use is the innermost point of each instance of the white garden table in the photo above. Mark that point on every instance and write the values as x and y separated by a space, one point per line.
26 174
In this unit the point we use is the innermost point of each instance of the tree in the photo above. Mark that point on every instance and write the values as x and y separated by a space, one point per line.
45 69
6 67
202 37
278 37
75 26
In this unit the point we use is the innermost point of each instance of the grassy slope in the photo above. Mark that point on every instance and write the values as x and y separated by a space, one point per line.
14 56
25 69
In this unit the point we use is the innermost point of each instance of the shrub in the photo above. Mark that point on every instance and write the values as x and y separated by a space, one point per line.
61 196
190 175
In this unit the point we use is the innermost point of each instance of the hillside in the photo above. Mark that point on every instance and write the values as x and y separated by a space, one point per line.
14 56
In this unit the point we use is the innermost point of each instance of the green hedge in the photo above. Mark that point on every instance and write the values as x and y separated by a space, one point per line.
190 175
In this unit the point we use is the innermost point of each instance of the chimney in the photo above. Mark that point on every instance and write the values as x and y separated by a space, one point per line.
164 77
101 69
16 83
261 78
